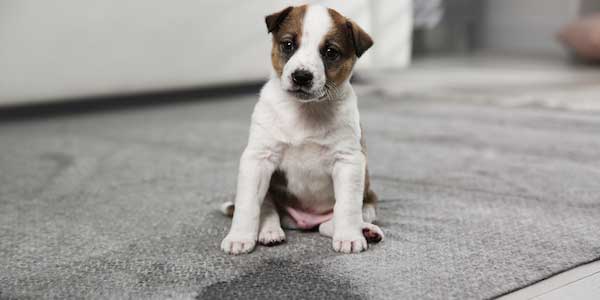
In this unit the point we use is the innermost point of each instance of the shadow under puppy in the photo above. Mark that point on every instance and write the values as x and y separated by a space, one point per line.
305 163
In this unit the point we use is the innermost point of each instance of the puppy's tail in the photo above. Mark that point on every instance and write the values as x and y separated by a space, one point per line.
227 208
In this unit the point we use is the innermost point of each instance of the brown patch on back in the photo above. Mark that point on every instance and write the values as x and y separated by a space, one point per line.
288 27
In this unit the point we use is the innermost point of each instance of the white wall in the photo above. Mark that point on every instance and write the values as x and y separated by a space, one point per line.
73 48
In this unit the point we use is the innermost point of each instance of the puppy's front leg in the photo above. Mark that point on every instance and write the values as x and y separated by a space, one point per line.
256 168
348 182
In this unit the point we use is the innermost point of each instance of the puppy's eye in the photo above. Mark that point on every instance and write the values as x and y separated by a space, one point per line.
287 46
331 54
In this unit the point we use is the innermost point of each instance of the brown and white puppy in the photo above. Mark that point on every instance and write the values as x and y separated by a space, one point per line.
305 163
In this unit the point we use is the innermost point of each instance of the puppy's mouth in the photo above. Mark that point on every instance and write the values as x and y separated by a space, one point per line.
305 96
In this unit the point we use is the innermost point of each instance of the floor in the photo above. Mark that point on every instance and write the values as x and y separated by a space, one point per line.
531 89
579 283
488 170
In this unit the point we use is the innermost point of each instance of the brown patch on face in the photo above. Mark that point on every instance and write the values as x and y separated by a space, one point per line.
338 38
285 25
347 38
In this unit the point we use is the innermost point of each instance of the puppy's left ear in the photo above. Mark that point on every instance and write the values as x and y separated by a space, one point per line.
274 20
360 39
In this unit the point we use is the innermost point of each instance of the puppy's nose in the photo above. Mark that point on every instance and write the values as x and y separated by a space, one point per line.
302 78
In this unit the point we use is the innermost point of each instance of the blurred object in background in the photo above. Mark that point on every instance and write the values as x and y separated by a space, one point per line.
525 26
582 38
499 26
427 13
443 27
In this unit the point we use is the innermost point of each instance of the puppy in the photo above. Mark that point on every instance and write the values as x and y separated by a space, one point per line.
305 163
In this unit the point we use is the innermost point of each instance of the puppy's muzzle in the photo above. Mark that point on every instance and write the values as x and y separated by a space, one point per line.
302 78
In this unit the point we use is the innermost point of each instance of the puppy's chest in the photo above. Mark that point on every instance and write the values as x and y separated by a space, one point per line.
308 159
308 171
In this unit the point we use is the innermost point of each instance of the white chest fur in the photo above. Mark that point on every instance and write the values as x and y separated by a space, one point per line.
308 168
306 140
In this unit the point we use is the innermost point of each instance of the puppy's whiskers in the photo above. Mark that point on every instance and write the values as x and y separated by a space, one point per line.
332 92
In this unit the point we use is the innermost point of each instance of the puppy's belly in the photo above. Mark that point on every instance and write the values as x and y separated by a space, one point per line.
308 172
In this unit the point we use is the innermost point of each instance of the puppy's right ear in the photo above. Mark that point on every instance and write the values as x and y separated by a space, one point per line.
274 20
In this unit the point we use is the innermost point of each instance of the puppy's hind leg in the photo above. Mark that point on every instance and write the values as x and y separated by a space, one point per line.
372 232
270 232
326 228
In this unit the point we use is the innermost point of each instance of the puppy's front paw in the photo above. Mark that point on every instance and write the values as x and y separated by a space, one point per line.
238 244
271 236
349 242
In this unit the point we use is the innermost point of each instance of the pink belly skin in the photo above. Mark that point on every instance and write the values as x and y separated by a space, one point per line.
308 220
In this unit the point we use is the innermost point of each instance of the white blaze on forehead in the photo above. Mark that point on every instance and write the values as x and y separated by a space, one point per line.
316 24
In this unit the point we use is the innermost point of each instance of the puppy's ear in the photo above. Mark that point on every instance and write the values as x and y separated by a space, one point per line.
274 20
360 39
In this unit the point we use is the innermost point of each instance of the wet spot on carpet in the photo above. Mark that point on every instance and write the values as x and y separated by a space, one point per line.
278 279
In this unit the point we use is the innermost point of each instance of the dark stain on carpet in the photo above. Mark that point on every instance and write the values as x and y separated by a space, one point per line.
278 279
62 160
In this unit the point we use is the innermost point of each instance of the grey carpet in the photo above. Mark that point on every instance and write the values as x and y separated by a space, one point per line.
477 200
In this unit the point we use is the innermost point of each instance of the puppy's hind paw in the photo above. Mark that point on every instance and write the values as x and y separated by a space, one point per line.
372 233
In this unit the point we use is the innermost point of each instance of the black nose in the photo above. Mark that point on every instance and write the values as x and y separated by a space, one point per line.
302 78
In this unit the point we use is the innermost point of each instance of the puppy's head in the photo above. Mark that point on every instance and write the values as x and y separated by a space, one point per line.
314 50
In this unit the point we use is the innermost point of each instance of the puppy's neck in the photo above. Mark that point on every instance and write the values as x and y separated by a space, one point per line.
319 111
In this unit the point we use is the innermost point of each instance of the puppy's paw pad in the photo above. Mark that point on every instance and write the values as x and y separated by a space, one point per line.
350 245
271 237
237 246
372 233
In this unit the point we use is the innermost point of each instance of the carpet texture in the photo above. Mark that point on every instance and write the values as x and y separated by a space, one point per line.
476 201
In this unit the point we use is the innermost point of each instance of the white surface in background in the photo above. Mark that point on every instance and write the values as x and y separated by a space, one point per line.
71 48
